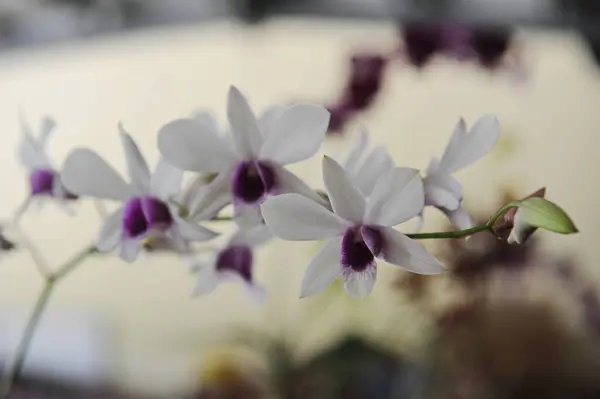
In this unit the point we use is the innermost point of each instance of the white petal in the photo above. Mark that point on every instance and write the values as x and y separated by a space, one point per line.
360 284
166 180
288 183
464 149
206 281
193 190
111 232
519 229
130 249
31 153
377 163
47 126
397 197
206 118
247 215
256 293
296 135
215 196
442 191
138 170
268 119
86 173
346 200
323 269
253 237
244 127
295 217
359 146
190 145
460 218
193 231
400 250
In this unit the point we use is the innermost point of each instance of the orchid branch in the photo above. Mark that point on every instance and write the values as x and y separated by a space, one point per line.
488 226
51 279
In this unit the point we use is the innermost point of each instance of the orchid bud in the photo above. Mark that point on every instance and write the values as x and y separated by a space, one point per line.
505 224
535 212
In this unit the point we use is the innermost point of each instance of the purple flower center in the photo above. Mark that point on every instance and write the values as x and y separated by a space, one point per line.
356 254
236 259
41 181
252 181
142 215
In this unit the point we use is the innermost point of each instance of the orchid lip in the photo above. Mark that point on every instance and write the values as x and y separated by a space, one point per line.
252 181
42 181
144 215
356 254
236 259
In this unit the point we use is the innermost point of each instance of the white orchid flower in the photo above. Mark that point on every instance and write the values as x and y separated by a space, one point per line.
147 211
358 230
364 167
235 263
44 180
444 192
249 159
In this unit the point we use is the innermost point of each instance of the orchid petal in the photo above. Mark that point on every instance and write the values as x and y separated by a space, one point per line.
190 145
464 149
397 197
138 170
346 200
256 293
359 146
166 180
442 191
400 250
360 284
206 281
253 237
215 196
460 218
247 215
323 269
288 183
47 126
244 126
297 218
130 249
87 173
377 163
267 120
31 153
191 231
111 232
296 134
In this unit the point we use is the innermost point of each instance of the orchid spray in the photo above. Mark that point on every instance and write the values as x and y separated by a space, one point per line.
243 166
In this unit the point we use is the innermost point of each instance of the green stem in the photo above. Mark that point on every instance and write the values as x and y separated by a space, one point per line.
450 234
15 365
488 226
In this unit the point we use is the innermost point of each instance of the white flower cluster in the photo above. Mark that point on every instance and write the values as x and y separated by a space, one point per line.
367 195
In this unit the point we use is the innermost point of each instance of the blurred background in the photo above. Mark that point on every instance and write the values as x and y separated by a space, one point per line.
504 322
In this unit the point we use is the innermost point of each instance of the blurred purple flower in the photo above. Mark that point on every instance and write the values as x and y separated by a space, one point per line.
364 83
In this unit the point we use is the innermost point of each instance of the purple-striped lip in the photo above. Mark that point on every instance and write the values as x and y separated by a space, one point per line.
143 215
252 181
356 254
236 259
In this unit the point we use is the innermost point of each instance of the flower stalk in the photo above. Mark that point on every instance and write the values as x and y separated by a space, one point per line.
15 365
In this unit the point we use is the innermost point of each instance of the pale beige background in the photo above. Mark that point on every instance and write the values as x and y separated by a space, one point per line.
145 79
